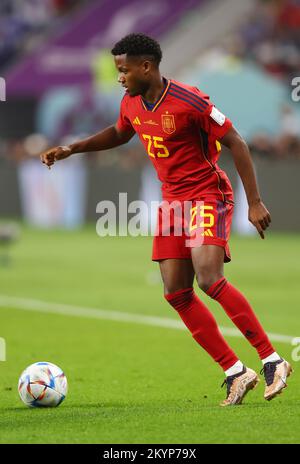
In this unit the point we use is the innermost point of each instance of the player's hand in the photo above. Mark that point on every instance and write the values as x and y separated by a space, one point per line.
55 154
260 217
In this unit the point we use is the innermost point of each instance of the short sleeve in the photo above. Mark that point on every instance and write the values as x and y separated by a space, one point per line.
123 122
209 118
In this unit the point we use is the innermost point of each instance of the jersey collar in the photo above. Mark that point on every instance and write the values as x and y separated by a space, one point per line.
160 100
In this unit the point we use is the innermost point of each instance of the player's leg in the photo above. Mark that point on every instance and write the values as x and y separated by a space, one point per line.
178 276
208 265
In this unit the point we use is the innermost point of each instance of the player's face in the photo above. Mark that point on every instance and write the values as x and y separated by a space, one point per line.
134 74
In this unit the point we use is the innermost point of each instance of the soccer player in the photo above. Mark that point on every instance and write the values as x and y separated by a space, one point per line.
182 132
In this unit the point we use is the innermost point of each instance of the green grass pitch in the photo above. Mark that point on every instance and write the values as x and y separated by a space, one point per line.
133 383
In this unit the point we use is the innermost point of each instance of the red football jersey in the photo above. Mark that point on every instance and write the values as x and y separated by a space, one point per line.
180 135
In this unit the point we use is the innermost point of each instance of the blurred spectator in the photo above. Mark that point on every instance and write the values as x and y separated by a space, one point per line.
262 144
287 144
272 36
23 20
269 37
290 122
107 92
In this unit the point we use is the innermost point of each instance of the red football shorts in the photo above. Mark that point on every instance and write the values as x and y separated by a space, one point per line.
182 226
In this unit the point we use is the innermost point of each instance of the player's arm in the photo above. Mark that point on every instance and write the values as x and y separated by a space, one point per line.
259 216
110 137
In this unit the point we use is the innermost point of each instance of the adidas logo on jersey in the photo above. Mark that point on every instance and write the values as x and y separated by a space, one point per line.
137 121
207 233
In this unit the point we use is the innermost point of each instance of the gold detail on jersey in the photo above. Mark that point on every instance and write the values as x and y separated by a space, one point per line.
168 123
150 121
160 154
149 140
218 145
154 141
137 121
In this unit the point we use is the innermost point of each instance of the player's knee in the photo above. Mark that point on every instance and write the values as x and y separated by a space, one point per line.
171 289
179 298
206 278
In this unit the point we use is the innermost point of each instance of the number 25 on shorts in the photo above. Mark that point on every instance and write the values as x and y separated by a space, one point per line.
154 142
208 217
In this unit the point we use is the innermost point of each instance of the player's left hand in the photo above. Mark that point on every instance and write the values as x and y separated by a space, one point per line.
260 217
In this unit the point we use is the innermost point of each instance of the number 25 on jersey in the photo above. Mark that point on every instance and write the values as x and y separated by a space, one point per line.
156 149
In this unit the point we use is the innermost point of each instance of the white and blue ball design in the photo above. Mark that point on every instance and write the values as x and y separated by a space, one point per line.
42 384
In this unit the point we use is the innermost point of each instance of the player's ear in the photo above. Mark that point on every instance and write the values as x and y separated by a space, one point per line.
147 66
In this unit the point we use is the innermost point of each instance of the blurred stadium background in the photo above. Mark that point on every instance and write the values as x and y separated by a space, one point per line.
61 85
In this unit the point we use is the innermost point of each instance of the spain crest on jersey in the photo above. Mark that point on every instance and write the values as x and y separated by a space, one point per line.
168 123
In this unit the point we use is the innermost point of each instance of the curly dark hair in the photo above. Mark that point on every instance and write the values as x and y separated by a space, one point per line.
138 45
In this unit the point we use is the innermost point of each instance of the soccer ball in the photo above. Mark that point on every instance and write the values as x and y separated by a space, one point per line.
42 384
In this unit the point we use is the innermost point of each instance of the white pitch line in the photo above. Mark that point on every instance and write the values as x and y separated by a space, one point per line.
26 304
